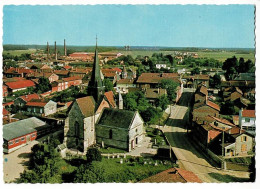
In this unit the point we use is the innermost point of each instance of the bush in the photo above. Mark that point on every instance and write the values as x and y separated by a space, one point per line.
93 154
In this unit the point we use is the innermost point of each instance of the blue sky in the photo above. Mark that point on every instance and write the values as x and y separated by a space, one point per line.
135 25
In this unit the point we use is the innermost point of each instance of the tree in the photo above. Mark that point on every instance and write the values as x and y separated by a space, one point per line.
215 81
28 176
227 108
162 102
43 85
170 86
108 85
93 154
90 173
231 66
195 70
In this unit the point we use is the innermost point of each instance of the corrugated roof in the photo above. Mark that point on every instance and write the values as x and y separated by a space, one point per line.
117 118
21 128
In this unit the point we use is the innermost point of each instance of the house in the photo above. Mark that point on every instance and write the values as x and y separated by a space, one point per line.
5 90
124 84
19 85
49 75
73 81
247 121
17 72
243 85
201 78
221 123
40 107
202 110
22 100
62 73
121 129
19 133
173 175
159 66
236 143
152 80
153 94
201 94
81 72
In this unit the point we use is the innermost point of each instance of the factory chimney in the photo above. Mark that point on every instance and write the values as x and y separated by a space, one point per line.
65 48
48 50
55 47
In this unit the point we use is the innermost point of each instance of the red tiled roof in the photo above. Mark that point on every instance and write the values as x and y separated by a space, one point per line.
248 113
109 74
117 69
73 78
8 103
5 112
27 98
67 67
204 90
20 84
35 103
13 79
235 130
173 175
224 121
110 97
213 105
61 72
125 81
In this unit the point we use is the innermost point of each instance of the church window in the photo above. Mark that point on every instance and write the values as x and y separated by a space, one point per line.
110 134
76 129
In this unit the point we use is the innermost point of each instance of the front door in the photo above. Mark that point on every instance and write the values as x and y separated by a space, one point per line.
243 148
132 144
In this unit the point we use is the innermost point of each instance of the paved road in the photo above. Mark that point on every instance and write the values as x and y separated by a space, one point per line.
189 157
15 162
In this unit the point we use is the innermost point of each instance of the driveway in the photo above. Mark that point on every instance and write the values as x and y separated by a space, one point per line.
15 162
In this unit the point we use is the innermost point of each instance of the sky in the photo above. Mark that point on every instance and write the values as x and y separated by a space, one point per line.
215 26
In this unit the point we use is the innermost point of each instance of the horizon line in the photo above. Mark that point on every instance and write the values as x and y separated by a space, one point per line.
159 46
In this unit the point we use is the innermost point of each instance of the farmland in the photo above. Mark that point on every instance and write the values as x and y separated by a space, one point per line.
19 52
218 55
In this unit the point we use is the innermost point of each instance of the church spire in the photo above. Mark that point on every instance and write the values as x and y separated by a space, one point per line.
95 86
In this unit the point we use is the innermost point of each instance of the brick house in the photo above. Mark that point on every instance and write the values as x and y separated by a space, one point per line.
22 100
20 133
40 107
19 85
49 75
202 110
124 84
62 73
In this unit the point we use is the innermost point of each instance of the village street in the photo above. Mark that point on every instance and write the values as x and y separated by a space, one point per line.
188 156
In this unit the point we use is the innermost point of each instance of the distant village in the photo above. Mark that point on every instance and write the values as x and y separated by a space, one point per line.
113 105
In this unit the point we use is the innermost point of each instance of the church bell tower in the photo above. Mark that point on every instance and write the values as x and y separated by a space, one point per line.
95 86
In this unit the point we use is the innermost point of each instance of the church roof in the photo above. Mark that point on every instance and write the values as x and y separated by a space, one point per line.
110 98
86 105
117 118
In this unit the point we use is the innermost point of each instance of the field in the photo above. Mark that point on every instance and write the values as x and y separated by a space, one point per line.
19 52
218 55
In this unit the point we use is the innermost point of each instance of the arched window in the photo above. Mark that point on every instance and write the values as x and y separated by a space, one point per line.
110 134
76 129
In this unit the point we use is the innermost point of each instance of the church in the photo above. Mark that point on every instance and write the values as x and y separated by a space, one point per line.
80 126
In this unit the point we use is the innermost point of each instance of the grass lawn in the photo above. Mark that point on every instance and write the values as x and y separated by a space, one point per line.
227 178
110 150
133 170
19 52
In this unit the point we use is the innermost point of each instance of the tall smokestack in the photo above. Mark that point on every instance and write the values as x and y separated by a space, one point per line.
56 56
48 50
65 48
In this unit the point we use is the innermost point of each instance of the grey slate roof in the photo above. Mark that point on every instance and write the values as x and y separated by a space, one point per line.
117 118
21 128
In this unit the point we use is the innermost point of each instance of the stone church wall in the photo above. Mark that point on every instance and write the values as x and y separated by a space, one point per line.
119 137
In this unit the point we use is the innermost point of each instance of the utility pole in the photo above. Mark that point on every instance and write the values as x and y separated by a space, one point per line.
223 149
